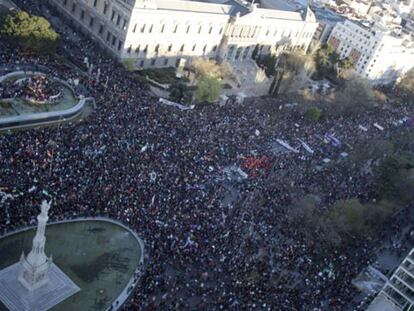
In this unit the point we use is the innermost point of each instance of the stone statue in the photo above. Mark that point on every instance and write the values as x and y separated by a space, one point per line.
35 267
35 282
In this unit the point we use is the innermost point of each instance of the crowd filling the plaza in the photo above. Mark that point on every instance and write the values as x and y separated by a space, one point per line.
213 242
36 88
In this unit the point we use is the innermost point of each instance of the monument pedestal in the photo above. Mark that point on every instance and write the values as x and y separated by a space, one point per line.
17 298
35 283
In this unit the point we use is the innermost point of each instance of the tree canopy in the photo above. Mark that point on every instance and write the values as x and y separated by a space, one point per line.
31 33
353 96
395 177
180 92
209 68
406 85
328 61
351 217
208 89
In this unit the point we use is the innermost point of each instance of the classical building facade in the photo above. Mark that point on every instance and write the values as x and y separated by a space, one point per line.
164 33
380 53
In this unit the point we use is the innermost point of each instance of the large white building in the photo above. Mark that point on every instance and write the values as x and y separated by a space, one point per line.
379 54
163 33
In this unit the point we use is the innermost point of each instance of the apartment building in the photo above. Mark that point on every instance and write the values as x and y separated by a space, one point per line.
380 54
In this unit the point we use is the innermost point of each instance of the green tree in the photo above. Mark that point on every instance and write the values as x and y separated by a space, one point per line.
31 33
346 63
129 64
208 89
293 69
348 216
305 215
179 92
395 178
269 63
209 68
313 114
355 95
255 51
326 58
406 85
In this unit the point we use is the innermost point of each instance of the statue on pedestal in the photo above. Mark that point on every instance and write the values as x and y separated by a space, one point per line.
35 267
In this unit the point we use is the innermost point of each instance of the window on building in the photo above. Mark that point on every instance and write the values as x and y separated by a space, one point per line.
267 32
120 45
143 28
124 24
157 48
204 49
95 2
73 7
105 9
113 15
108 36
145 49
118 20
230 52
210 30
275 33
137 49
246 52
113 40
91 22
129 49
65 2
100 29
141 64
153 62
150 30
238 52
188 29
182 48
162 28
194 47
82 16
177 63
170 48
214 48
221 31
135 28
166 62
199 29
175 28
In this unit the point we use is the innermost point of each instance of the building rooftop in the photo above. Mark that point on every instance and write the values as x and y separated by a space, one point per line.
327 16
194 6
224 7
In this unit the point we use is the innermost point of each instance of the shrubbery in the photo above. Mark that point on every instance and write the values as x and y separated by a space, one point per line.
313 114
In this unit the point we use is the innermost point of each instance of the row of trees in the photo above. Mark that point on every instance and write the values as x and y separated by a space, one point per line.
389 163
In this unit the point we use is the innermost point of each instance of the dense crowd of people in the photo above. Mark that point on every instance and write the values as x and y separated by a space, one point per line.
212 242
36 88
